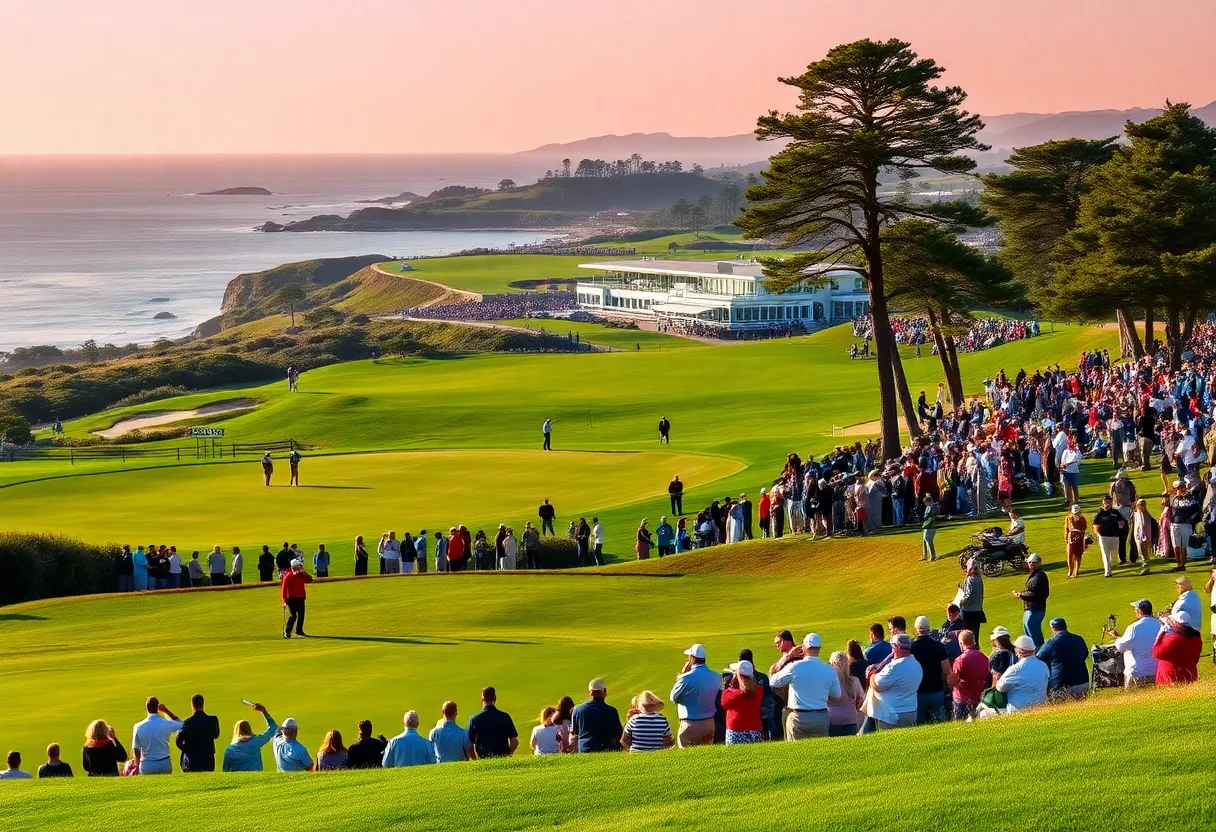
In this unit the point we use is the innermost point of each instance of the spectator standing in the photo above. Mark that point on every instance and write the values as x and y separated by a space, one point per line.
675 491
597 541
811 684
217 565
971 602
1034 599
665 537
546 513
196 739
420 551
320 561
893 702
644 542
150 739
935 669
139 569
175 569
1136 643
289 753
1111 528
696 695
742 700
283 559
844 711
928 527
409 748
125 570
195 568
969 675
360 557
547 430
102 753
492 731
238 565
367 751
54 767
244 753
595 724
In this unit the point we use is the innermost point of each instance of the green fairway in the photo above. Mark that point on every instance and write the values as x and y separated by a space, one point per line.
751 403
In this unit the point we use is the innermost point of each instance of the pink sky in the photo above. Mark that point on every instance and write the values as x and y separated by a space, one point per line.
424 76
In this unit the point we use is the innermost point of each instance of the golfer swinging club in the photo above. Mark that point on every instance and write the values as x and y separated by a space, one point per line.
293 592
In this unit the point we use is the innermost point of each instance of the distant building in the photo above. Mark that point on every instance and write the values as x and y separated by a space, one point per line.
729 294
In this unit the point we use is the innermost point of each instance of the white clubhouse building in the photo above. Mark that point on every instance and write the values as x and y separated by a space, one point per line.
730 294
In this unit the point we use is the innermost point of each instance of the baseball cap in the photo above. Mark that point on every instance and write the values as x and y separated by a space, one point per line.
812 640
998 631
1058 623
1024 643
297 562
597 684
1182 617
744 668
289 723
1076 509
1121 474
697 651
902 640
1144 605
922 624
1034 558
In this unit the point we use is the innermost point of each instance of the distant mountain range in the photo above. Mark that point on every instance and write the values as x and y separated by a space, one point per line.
1002 132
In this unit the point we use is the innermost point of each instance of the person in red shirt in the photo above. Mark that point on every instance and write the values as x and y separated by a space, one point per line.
1177 650
292 592
455 550
741 700
968 676
764 512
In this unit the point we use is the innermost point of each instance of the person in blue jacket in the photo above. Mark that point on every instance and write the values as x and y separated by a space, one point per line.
140 559
245 751
320 561
665 537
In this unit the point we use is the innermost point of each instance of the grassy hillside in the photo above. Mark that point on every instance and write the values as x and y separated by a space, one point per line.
740 402
251 296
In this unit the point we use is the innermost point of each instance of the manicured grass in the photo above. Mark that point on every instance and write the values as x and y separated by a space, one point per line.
751 403
600 335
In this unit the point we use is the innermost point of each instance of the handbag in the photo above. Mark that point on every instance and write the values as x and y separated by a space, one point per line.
995 699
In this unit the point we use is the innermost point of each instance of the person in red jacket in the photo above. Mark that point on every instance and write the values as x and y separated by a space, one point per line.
456 550
293 591
741 700
764 510
1177 650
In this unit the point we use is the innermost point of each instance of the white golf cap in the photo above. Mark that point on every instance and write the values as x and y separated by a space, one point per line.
697 651
1182 617
812 640
763 490
1024 643
289 723
743 668
1076 509
998 631
297 562
597 684
1034 558
922 624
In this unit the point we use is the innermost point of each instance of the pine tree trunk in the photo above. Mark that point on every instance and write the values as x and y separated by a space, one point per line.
1149 338
1129 339
884 345
942 353
1188 326
1172 337
955 382
905 396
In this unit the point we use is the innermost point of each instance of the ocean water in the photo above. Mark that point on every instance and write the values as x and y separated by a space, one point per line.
86 244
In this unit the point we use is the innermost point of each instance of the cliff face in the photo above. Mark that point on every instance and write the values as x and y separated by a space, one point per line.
250 296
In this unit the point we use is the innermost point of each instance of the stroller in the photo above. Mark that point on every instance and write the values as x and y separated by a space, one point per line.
1107 661
993 552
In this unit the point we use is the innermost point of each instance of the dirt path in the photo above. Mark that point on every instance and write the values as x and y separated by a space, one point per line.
155 419
449 295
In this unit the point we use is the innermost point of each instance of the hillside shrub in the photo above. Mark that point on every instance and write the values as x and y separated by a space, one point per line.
165 391
558 553
34 566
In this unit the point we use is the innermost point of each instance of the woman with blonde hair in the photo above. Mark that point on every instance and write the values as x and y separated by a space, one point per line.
245 751
102 750
332 754
645 541
547 738
844 716
648 730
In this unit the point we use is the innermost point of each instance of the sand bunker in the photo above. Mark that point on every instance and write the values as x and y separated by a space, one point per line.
156 419
863 429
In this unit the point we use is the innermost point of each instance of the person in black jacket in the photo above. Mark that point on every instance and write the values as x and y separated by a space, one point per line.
125 569
1034 599
283 560
546 513
266 565
197 738
368 752
102 751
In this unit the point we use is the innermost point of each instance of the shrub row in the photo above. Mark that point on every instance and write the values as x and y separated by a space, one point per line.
34 566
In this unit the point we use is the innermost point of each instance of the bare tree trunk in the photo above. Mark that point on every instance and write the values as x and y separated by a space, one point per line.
905 396
1148 331
954 379
884 342
1188 326
1172 337
1129 339
948 367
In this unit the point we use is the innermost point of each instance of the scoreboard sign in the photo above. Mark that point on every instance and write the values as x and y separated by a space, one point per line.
207 433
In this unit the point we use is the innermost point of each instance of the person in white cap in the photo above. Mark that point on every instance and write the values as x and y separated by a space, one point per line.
1003 656
293 592
1034 598
810 681
289 753
1177 650
696 696
1123 495
930 653
409 748
741 700
595 725
1136 643
892 702
1024 684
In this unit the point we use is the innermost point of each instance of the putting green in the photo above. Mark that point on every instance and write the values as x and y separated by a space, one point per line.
197 507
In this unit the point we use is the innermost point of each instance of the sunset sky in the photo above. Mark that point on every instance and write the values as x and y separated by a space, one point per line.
426 76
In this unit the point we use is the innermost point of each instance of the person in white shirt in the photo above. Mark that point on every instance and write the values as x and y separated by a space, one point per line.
810 682
1070 470
1024 684
238 566
597 541
1136 644
1210 587
510 551
392 555
175 569
14 771
892 701
150 739
1188 599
